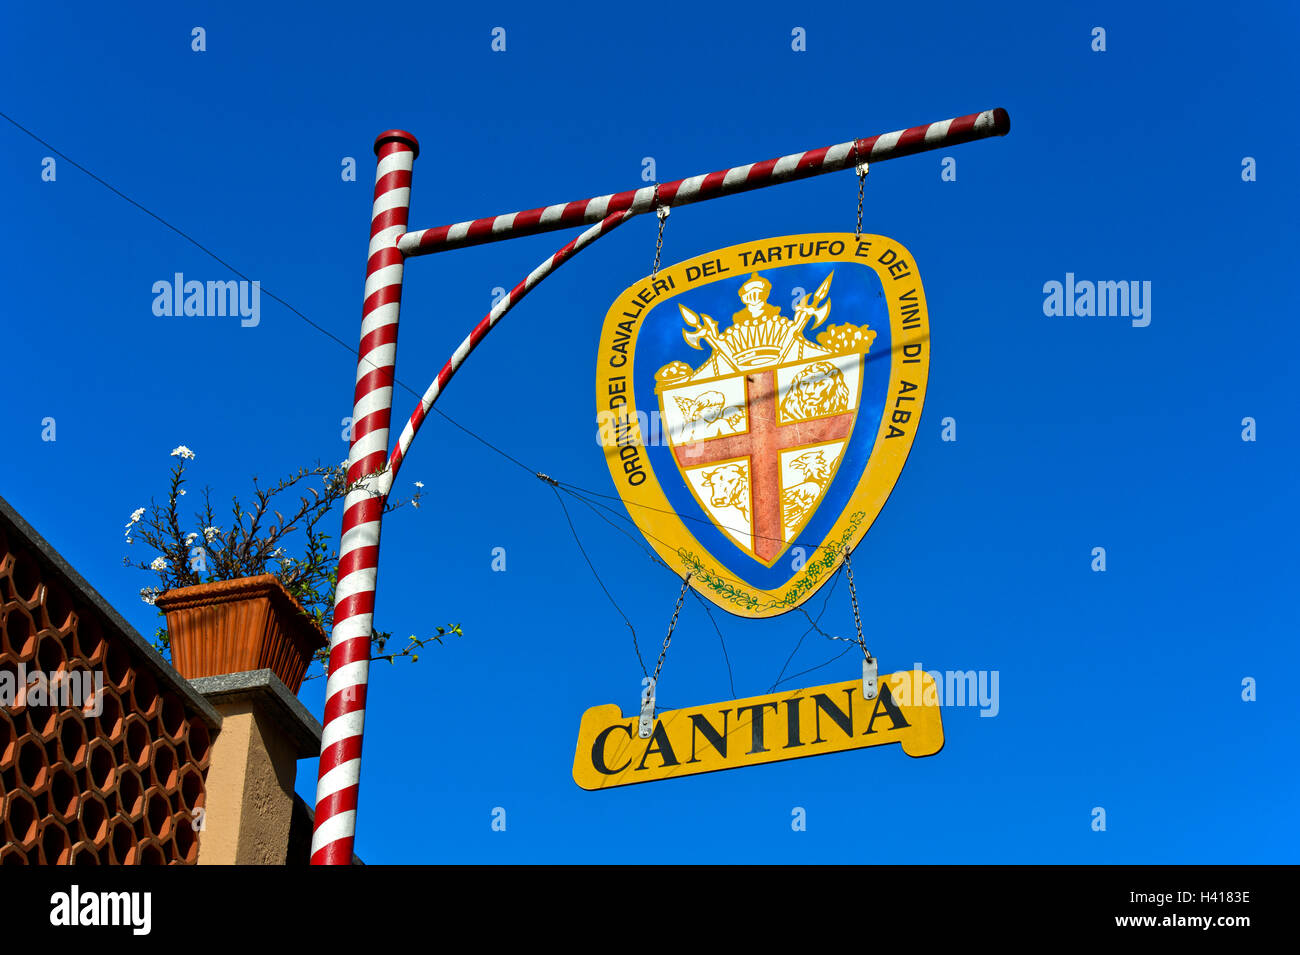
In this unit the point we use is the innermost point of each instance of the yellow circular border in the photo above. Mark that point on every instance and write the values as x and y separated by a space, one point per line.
647 504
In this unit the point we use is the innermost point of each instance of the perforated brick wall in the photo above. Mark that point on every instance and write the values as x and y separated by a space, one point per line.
120 787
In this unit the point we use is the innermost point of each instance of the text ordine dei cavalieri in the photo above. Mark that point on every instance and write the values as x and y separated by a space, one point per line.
620 427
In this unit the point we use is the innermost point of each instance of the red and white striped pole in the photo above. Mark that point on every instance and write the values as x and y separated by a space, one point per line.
608 212
714 185
339 776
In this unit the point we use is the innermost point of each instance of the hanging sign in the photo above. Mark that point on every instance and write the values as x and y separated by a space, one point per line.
761 729
756 405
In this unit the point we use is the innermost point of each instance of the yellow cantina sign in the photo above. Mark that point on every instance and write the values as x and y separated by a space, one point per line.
760 729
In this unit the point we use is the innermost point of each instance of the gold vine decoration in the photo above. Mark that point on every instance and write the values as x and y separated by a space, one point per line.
727 591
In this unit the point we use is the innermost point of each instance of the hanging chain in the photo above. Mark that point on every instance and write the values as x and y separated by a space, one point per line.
662 212
862 169
853 596
672 625
862 182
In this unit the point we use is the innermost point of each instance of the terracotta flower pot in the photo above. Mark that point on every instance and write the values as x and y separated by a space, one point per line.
252 623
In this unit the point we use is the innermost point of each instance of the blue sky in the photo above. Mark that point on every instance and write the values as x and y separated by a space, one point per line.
1119 690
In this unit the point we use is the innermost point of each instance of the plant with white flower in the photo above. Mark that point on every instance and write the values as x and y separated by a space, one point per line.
259 539
135 519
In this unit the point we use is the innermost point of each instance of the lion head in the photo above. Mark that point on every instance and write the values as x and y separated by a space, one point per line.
818 389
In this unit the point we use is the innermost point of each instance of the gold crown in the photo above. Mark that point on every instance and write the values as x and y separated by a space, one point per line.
759 343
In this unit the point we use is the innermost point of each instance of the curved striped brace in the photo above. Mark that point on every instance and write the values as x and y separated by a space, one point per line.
439 384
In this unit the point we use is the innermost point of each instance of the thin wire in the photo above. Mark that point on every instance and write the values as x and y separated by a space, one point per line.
625 517
655 559
578 541
725 656
814 623
484 441
555 485
814 626
569 489
819 666
356 353
183 234
569 486
353 351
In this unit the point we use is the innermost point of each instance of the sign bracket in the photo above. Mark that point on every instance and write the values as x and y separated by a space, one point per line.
647 723
391 243
870 690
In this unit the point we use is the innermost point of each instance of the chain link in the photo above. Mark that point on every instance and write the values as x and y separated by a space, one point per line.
862 169
862 182
662 212
672 625
853 596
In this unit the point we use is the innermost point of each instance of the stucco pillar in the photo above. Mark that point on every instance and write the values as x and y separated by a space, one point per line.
249 806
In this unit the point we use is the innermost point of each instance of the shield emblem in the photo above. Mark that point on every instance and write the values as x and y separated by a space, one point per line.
757 405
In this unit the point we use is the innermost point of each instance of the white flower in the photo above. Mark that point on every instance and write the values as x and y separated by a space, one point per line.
149 594
190 538
183 452
159 563
419 484
136 515
128 538
180 492
210 533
